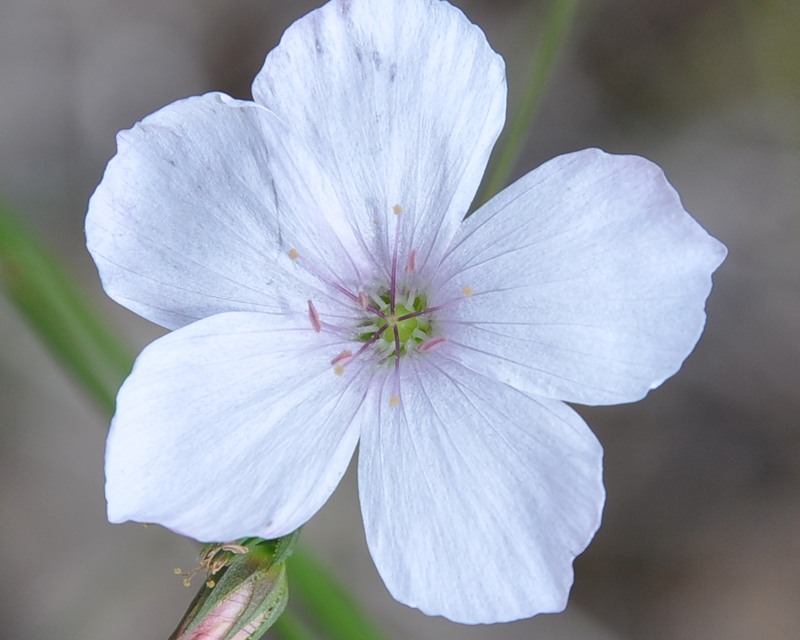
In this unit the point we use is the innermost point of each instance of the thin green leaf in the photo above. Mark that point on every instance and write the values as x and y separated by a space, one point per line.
328 603
553 35
53 305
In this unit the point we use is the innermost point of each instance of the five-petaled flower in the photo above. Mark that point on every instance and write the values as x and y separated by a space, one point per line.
309 252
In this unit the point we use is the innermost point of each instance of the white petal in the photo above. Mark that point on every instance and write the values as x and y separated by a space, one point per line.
232 426
476 498
196 213
402 101
589 281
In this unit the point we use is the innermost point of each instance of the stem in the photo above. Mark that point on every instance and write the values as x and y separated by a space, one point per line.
55 308
326 600
556 27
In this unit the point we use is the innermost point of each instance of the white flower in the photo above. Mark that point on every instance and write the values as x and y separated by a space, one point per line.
309 253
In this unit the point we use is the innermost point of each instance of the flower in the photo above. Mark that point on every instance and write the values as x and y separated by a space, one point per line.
308 251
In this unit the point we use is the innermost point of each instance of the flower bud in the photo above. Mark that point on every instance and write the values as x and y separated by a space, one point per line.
244 594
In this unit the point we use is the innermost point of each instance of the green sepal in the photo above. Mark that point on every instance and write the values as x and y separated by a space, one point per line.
284 547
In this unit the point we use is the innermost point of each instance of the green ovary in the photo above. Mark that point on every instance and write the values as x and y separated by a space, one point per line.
411 331
404 327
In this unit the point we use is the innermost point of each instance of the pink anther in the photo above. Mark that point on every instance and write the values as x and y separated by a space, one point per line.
411 267
428 345
343 358
314 317
363 300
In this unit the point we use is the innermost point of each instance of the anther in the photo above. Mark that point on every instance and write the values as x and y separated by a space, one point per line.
431 344
343 358
293 254
232 547
397 209
363 300
411 267
187 575
467 291
314 317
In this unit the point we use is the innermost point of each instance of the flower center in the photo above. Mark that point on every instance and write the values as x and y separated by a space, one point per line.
397 313
407 327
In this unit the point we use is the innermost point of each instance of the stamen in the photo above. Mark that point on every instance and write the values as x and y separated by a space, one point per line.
187 575
232 547
294 255
412 262
375 337
431 344
314 317
343 358
379 303
369 328
418 335
363 300
393 281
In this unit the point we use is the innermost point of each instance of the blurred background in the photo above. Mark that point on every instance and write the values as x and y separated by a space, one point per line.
701 534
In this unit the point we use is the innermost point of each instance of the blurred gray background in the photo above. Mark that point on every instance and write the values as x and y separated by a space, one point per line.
701 530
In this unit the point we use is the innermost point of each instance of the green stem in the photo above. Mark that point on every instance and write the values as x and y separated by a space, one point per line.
326 600
88 349
53 305
556 27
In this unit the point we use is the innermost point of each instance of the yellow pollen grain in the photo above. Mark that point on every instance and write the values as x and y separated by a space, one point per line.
394 401
339 369
467 291
177 571
293 254
210 584
187 583
397 209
